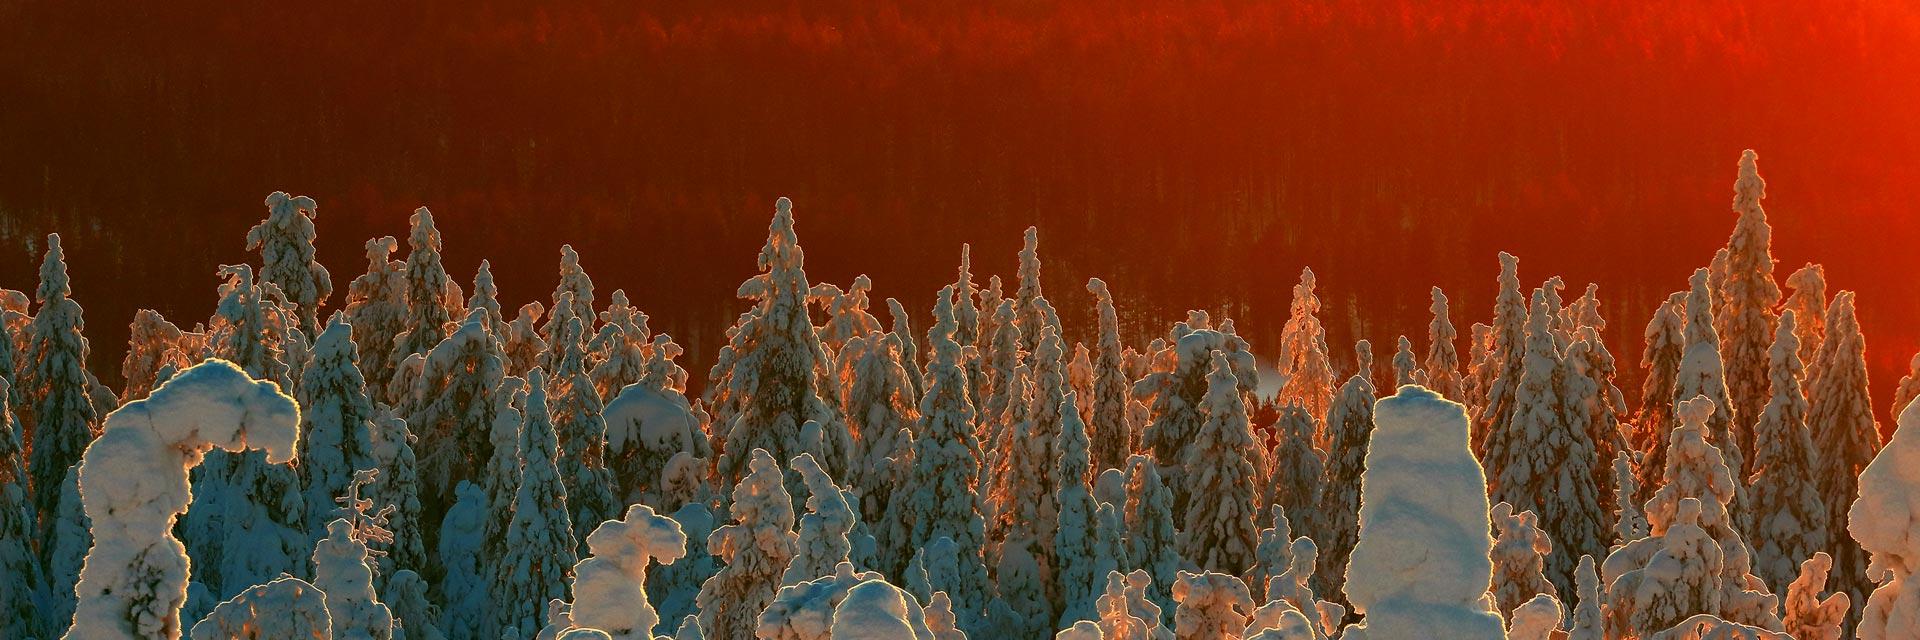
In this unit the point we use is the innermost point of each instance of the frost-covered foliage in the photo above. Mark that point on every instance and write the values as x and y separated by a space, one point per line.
1885 520
135 578
648 425
581 427
1497 377
539 549
610 586
946 467
285 243
1745 317
1220 534
57 418
876 610
287 607
1589 616
23 594
822 542
1151 542
1701 375
1441 370
1306 374
1519 556
673 588
1660 360
1178 395
1844 433
377 306
1537 619
432 297
1349 429
1789 514
154 347
1213 606
879 401
1542 461
1113 439
1406 370
805 610
414 616
1296 480
772 387
522 343
1076 543
1808 615
336 435
1421 567
341 570
756 547
1909 387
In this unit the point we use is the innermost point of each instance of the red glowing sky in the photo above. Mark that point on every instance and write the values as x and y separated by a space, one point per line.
1193 154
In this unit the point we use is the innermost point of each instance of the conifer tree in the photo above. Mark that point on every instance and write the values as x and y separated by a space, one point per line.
674 587
1305 372
456 391
581 427
1506 355
1589 616
774 373
1881 520
397 485
1844 433
654 407
336 436
414 616
430 294
23 595
1701 374
1807 616
1298 479
1220 534
572 299
1909 386
941 502
1406 370
617 354
522 343
135 577
1032 314
1541 462
287 607
1746 321
879 402
1350 425
1076 540
1151 541
902 330
57 418
1790 515
1660 360
1112 438
153 345
1441 369
1520 551
285 243
1808 302
756 548
1213 606
341 570
538 554
822 542
377 306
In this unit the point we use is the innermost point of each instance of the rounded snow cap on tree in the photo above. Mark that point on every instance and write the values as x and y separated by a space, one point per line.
1749 188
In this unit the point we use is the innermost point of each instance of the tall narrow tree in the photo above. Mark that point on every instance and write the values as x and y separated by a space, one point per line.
1746 321
1790 515
1845 434
285 243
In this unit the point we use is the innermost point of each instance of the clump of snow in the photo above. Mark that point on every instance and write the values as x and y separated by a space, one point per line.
133 482
1885 520
285 608
609 587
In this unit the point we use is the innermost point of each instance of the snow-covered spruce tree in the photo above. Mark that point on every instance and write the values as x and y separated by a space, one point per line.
1506 355
1882 519
1701 374
1026 493
581 427
1032 317
285 243
1807 615
1789 514
1660 361
73 538
1628 523
756 548
610 586
1220 534
135 578
1543 463
1808 302
486 297
1536 619
774 371
522 343
1151 541
1005 394
414 616
1592 402
1589 617
1844 433
1745 322
1274 556
847 314
377 306
902 327
336 437
1076 541
941 502
1178 394
341 569
57 418
1117 619
1909 387
572 299
805 610
1298 477
456 395
1695 560
1406 370
1213 606
1080 378
539 550
1349 427
1421 566
648 424
397 485
822 542
673 587
879 403
23 596
1306 374
152 346
1519 555
431 295
1112 438
1441 369
287 607
617 353
876 610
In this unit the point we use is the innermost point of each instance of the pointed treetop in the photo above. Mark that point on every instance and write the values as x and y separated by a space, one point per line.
423 235
1749 188
782 250
53 272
